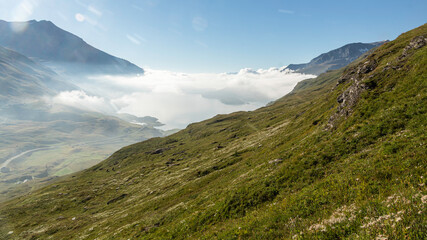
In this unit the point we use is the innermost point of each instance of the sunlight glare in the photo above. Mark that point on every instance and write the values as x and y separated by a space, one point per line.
18 27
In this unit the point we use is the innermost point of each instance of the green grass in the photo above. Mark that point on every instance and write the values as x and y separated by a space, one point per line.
69 151
274 173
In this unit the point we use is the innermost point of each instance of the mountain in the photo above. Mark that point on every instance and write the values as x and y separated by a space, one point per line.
334 59
340 157
22 78
41 139
61 50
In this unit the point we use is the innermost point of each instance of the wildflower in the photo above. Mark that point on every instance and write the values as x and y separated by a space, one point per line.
381 237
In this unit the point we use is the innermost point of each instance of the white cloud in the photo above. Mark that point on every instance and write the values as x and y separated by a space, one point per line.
175 109
199 24
81 100
133 39
178 99
286 11
94 10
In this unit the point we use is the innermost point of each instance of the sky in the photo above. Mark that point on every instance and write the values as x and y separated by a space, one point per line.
216 36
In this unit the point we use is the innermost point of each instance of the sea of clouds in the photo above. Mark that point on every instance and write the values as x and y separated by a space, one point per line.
178 99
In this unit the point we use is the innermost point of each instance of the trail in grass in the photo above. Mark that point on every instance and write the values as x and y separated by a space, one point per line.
22 154
93 143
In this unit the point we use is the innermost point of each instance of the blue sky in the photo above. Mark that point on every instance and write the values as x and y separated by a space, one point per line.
222 35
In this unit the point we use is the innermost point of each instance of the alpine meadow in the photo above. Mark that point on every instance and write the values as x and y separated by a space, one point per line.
342 156
205 119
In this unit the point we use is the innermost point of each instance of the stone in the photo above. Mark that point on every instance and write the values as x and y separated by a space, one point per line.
275 161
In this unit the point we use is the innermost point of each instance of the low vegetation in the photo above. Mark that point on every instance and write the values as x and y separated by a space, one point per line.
299 168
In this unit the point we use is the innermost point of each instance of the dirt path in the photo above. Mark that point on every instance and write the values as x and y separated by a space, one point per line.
20 155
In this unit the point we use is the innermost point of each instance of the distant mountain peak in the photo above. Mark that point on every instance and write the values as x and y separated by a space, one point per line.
61 49
335 59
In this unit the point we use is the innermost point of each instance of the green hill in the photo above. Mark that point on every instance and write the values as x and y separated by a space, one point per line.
341 157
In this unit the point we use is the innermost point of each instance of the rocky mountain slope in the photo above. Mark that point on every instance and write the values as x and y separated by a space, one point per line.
340 157
334 59
60 49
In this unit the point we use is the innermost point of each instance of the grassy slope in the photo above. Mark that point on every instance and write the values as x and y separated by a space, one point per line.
272 173
74 145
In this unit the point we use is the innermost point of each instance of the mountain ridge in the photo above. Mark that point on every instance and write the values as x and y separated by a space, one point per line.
23 78
60 49
334 59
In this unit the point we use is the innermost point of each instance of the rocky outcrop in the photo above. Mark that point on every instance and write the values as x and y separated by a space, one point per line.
416 43
349 98
359 75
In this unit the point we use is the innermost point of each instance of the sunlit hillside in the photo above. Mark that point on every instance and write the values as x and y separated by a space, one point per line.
340 157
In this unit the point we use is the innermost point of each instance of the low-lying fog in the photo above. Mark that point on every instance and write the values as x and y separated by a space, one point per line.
178 99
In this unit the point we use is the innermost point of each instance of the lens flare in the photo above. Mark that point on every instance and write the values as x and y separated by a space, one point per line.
79 17
18 27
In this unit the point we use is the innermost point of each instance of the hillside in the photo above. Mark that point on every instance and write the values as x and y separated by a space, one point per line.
334 59
22 78
340 157
35 152
61 50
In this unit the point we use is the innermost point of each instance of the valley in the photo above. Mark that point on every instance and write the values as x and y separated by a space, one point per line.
340 157
38 153
50 127
41 139
198 119
6 163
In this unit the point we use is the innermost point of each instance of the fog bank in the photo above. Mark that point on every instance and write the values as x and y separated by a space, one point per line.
178 99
